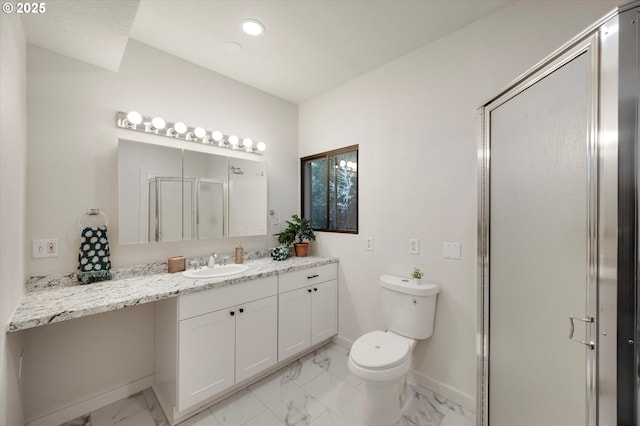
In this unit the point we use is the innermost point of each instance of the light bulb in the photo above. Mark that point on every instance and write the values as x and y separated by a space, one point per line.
180 127
134 117
247 142
233 140
217 135
158 123
261 146
252 27
343 163
199 132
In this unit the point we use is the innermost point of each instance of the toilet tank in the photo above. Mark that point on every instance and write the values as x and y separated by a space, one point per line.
409 307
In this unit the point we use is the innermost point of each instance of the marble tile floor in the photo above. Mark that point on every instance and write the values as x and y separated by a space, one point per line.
316 390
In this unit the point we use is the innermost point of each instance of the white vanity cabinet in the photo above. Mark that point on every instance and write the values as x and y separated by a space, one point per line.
206 357
308 308
256 337
324 311
207 342
211 343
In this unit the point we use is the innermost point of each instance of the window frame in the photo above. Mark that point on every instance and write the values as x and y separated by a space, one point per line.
326 155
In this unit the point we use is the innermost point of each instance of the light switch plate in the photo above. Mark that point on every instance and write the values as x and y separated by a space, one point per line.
44 248
370 243
451 251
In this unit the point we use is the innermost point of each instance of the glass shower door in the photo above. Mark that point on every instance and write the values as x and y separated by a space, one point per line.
541 247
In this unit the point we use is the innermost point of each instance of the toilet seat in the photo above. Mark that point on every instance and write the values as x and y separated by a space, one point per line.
379 350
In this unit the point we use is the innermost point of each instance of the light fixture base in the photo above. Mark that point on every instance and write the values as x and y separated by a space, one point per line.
181 131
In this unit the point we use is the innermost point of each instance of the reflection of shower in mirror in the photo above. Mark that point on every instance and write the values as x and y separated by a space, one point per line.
185 209
275 217
173 194
275 225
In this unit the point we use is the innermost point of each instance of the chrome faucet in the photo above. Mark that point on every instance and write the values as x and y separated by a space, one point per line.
212 260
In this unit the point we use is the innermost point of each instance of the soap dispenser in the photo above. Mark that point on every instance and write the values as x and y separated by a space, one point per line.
239 253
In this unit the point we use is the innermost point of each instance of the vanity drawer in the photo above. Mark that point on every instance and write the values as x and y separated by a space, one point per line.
206 301
298 279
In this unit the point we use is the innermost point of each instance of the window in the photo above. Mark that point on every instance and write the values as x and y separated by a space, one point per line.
330 190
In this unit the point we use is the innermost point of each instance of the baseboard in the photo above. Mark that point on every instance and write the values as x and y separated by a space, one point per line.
342 341
466 401
88 405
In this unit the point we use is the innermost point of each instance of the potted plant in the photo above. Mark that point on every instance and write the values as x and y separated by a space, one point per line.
417 275
297 233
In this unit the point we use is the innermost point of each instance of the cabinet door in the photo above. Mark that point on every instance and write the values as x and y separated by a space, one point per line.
205 357
294 322
256 337
324 311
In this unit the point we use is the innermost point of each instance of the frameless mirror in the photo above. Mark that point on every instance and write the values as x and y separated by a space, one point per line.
247 197
170 194
150 192
205 178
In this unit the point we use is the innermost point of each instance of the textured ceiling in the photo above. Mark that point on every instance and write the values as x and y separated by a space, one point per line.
309 46
93 31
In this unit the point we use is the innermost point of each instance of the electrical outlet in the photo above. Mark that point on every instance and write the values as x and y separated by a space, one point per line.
414 246
370 243
45 248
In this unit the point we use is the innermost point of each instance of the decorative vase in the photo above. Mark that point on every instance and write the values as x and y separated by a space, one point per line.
280 253
302 249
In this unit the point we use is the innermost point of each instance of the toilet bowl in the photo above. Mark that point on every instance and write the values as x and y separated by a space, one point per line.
381 356
381 359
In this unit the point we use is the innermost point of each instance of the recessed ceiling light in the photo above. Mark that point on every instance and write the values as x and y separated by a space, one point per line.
252 27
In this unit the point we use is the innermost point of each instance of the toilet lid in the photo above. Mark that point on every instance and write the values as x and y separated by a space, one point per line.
379 349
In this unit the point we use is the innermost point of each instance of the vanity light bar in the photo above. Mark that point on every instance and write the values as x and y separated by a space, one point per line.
133 120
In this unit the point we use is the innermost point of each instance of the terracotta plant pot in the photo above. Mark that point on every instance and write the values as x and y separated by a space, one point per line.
302 249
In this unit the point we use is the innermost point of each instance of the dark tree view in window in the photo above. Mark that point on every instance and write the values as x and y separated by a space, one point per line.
318 192
330 190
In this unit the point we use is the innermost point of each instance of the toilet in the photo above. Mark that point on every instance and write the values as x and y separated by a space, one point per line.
381 359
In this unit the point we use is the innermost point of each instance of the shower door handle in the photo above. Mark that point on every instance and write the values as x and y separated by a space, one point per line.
588 320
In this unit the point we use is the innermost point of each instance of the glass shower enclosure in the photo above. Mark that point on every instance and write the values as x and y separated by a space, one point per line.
559 236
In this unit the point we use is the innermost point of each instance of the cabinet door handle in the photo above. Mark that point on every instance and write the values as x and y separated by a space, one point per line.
315 289
312 276
309 290
232 313
241 310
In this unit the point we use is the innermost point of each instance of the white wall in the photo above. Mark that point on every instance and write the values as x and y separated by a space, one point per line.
13 142
415 122
72 165
73 361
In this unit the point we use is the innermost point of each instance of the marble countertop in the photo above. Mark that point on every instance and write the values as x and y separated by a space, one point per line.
60 303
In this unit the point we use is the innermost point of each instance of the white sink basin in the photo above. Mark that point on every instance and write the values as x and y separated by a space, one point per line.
216 271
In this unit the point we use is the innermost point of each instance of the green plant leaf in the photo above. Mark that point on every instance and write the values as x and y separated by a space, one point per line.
298 230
